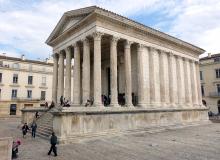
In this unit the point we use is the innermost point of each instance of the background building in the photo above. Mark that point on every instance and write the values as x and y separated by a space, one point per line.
210 81
23 83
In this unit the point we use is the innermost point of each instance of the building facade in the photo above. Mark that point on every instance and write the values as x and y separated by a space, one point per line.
151 78
23 83
210 81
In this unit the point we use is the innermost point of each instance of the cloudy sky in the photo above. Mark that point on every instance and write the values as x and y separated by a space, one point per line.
26 24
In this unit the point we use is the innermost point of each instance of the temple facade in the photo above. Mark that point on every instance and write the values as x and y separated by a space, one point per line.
138 68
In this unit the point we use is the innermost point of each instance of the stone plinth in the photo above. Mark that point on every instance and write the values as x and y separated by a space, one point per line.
6 148
77 123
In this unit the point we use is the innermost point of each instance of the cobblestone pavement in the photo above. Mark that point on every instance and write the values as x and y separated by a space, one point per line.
189 143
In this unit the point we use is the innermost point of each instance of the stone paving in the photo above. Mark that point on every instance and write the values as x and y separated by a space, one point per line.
190 143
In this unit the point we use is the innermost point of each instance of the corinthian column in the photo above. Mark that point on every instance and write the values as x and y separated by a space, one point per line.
195 101
128 84
142 71
55 77
188 90
68 74
86 71
180 81
61 75
113 67
198 85
154 77
173 80
76 77
164 79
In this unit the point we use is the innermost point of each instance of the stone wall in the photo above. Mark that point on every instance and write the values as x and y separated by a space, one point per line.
76 125
5 148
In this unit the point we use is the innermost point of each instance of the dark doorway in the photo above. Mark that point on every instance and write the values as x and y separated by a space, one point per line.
218 106
109 80
13 108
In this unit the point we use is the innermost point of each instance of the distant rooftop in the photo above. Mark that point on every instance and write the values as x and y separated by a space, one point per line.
210 56
3 56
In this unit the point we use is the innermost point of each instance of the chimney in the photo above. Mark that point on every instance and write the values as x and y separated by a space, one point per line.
209 54
22 57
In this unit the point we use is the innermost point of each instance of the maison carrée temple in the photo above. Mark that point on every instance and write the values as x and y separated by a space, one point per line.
149 78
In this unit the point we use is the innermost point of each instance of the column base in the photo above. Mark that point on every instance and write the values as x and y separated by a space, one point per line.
114 105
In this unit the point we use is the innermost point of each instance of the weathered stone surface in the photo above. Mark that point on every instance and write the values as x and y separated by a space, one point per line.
5 148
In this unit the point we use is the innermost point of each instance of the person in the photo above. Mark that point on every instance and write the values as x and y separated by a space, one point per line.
15 146
51 105
61 100
46 105
53 142
36 115
25 128
33 129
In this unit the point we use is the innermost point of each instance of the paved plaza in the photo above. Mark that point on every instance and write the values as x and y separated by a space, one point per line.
188 143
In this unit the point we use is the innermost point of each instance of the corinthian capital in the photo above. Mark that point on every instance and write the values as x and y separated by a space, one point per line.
114 39
128 43
97 35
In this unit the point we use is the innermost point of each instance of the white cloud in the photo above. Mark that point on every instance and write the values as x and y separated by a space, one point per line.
26 26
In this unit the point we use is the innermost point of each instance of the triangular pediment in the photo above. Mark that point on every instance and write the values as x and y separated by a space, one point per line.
68 20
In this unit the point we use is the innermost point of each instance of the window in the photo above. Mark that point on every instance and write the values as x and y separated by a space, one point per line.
218 88
1 63
217 59
0 77
16 65
217 72
13 108
15 78
14 93
0 93
43 95
44 81
29 93
201 76
202 90
30 80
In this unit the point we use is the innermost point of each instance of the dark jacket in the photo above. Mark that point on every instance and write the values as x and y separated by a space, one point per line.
34 126
53 140
25 128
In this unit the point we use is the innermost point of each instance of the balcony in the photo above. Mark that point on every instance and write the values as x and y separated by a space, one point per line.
214 94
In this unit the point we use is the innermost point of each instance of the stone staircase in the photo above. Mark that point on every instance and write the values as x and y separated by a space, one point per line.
45 125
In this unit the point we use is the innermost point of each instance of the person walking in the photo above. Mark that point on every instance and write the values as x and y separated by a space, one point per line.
61 100
53 142
25 128
33 129
15 146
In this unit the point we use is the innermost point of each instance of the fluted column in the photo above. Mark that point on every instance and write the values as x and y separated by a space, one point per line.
164 79
143 75
113 69
68 74
180 81
188 90
61 75
195 102
55 78
198 85
154 77
86 71
76 77
193 84
97 69
128 83
173 80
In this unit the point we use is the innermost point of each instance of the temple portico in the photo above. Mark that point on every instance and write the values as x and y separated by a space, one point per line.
158 78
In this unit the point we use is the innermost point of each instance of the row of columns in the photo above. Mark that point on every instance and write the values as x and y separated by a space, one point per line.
164 79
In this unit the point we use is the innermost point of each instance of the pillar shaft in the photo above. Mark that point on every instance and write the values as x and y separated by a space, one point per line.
77 75
55 78
128 83
68 74
164 79
198 84
154 77
188 90
61 75
97 69
86 71
113 69
195 102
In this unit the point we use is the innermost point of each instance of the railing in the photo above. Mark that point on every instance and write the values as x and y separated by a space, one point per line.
214 94
25 98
